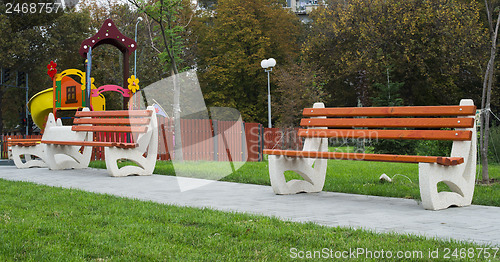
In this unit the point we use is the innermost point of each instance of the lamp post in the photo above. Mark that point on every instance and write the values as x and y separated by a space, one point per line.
139 19
268 65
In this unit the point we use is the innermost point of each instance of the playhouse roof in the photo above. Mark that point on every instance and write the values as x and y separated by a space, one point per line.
108 34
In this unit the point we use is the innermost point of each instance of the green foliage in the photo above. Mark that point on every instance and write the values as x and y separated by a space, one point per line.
389 146
28 43
166 14
298 86
231 46
433 148
494 144
387 94
169 29
435 47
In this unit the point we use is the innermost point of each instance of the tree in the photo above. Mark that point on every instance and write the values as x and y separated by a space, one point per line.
388 94
435 48
232 43
298 86
29 42
166 14
489 77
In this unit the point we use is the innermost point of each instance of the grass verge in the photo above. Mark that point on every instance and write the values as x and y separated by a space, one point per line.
41 223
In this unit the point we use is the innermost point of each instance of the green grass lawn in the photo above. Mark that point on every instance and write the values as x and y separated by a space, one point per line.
357 177
41 223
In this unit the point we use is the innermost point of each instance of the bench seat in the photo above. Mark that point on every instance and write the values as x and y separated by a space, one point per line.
92 143
26 152
446 161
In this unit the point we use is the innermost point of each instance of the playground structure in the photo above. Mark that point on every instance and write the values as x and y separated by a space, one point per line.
74 89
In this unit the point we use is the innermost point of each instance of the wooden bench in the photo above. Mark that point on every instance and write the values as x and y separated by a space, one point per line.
416 123
71 146
28 148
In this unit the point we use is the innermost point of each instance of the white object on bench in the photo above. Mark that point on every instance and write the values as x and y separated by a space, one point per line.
60 156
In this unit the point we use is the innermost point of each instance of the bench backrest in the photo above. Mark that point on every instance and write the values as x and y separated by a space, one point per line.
123 121
115 125
409 122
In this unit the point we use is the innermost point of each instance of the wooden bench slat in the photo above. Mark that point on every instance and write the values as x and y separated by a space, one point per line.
454 135
91 143
448 161
389 122
24 139
122 129
392 111
112 121
119 113
23 143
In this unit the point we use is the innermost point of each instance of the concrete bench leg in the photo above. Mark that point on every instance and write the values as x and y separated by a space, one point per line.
312 170
64 156
67 157
29 152
148 143
460 179
460 182
314 177
145 165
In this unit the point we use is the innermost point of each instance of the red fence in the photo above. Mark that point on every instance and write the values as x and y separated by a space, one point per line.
208 140
282 138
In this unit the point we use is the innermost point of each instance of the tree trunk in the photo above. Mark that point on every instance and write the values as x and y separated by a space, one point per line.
486 102
177 120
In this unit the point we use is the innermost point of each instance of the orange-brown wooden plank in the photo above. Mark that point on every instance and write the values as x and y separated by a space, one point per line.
91 143
24 140
392 111
24 143
455 135
125 129
450 161
368 157
112 121
119 113
389 122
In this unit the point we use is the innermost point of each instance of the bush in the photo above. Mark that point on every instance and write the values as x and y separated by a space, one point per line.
400 147
494 145
433 148
414 147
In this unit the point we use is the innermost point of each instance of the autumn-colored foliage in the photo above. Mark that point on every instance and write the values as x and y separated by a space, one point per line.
436 48
233 43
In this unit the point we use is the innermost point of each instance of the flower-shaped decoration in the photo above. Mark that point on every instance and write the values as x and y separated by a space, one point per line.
133 84
84 82
52 70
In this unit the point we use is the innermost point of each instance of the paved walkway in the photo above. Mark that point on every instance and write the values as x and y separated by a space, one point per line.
479 224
